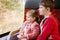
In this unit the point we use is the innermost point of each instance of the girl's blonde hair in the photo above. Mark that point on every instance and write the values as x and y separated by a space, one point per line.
33 13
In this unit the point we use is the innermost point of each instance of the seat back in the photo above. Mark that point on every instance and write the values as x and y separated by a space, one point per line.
56 14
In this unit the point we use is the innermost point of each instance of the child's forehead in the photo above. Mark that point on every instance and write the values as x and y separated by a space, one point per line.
29 13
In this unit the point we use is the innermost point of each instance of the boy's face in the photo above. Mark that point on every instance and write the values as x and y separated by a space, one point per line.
29 18
42 10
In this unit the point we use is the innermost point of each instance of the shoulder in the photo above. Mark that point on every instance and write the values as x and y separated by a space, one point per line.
51 20
35 24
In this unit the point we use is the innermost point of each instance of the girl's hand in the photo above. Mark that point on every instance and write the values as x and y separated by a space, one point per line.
24 39
20 36
26 36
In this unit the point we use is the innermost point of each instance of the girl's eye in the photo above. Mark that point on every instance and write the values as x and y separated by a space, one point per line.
28 17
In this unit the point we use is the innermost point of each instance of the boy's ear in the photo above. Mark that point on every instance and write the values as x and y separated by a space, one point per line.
48 8
34 18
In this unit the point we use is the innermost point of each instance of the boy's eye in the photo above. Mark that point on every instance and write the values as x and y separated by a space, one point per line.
40 7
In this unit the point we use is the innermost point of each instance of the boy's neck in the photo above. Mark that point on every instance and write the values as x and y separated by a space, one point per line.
46 15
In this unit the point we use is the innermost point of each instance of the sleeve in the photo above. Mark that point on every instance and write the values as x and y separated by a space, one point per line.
48 26
34 33
23 26
21 32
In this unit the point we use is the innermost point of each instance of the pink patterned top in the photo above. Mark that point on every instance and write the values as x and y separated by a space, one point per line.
30 31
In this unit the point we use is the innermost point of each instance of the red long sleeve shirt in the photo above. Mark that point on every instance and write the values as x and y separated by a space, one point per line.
49 29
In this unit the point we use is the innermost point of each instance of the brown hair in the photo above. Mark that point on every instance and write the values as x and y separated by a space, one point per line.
33 13
47 3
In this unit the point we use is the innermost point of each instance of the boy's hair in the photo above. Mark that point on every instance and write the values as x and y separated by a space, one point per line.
33 13
47 3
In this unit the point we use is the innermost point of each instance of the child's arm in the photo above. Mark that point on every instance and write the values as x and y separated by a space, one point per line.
21 32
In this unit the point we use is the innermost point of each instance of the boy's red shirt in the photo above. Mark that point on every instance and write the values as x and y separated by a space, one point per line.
49 30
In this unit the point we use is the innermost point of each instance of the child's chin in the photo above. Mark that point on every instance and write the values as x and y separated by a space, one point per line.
41 14
28 21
